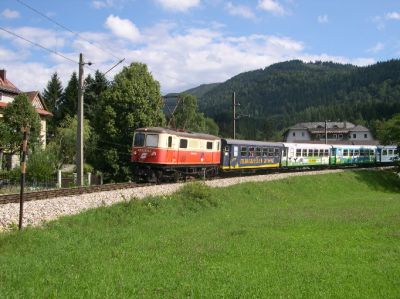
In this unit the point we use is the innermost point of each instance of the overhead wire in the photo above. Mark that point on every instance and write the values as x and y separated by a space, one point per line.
68 29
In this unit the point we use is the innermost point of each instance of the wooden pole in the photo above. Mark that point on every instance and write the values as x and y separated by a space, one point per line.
23 173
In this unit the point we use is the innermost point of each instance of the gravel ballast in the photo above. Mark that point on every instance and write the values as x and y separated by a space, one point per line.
37 212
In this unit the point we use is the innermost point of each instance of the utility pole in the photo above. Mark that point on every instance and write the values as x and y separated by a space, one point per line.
326 132
79 135
234 117
23 173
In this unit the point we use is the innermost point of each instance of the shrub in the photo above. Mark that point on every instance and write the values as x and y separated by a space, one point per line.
41 165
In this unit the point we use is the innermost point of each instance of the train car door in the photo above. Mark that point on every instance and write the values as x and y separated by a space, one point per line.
332 160
226 156
182 153
172 151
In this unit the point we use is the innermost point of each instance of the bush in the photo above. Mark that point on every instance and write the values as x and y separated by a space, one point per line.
41 165
196 195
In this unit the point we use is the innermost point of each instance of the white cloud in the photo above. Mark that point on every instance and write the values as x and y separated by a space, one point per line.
377 48
10 14
178 5
271 6
123 28
240 10
393 16
323 19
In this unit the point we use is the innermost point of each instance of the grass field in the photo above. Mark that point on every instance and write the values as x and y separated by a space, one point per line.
335 235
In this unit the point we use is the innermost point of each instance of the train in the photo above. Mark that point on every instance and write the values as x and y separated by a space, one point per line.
162 154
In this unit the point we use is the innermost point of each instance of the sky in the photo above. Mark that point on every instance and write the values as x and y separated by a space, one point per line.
186 43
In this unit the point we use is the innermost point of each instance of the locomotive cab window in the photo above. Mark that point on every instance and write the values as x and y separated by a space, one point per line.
183 143
139 139
152 140
169 141
209 145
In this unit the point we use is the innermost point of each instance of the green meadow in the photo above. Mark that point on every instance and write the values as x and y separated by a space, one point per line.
327 236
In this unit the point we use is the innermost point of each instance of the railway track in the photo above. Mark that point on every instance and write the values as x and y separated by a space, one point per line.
44 194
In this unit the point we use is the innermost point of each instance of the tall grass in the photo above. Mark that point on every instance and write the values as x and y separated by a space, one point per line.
323 236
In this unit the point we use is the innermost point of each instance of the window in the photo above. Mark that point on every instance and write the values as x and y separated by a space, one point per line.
390 152
326 153
277 152
334 136
270 152
264 151
340 136
321 153
235 151
139 139
362 153
356 152
298 152
243 151
218 146
294 134
169 141
302 134
395 152
354 136
251 151
345 152
183 143
310 152
365 135
284 152
226 149
209 145
371 152
384 153
351 152
258 151
152 140
316 153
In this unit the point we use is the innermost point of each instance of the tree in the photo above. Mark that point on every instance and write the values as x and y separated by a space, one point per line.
52 97
21 114
69 100
94 87
6 135
389 131
187 116
132 101
64 143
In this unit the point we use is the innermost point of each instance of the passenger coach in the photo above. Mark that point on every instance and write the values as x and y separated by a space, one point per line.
159 153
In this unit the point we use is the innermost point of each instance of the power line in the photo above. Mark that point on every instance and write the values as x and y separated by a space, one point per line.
38 45
66 28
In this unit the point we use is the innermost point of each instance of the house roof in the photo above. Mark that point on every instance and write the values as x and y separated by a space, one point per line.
7 86
321 125
36 99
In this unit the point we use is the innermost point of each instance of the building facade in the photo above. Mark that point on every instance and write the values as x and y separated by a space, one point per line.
8 91
333 132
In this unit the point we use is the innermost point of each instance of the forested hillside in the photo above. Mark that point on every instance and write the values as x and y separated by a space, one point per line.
289 92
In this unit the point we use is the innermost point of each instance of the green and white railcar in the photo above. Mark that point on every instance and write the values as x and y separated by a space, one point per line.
305 154
353 154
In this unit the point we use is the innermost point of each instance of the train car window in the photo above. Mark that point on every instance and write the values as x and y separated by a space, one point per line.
251 151
169 141
345 152
362 153
243 151
356 152
390 152
258 151
371 153
395 152
326 153
139 139
310 152
277 152
315 152
183 143
284 152
218 146
384 153
270 152
298 152
226 149
321 153
235 151
209 145
152 140
264 151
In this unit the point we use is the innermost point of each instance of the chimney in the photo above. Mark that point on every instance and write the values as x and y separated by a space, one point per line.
3 75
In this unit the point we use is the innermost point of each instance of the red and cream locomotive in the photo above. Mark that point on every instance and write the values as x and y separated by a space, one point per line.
159 153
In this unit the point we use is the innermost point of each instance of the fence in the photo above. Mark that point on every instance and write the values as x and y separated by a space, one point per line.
10 182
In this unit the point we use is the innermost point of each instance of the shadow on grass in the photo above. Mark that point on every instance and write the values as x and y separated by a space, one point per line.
386 181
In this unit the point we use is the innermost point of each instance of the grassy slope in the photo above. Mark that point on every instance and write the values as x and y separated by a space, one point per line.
334 235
